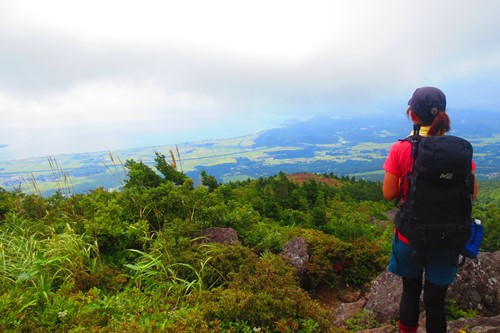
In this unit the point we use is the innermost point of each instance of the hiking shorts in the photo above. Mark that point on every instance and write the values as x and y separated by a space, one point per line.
439 268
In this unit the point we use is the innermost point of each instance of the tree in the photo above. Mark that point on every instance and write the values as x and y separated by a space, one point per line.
209 181
141 176
319 210
169 171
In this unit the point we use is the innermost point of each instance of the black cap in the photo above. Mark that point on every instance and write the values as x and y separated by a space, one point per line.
426 102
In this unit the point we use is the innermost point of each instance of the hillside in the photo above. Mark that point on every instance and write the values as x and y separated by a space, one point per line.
348 146
165 256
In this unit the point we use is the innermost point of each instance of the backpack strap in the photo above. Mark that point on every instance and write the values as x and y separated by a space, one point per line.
414 139
404 179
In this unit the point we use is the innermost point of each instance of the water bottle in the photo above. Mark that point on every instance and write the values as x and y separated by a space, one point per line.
477 221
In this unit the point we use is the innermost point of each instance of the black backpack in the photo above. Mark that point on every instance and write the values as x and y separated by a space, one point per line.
436 214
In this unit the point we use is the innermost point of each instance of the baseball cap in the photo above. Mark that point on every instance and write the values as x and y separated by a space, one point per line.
424 100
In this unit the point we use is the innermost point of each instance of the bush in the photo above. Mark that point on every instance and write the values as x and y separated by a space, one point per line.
333 263
222 261
266 236
266 295
327 259
489 215
133 261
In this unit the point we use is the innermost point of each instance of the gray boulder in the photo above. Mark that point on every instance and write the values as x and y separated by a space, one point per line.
220 235
476 325
295 252
383 297
477 287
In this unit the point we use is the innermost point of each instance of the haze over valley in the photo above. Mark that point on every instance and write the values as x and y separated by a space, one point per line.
349 146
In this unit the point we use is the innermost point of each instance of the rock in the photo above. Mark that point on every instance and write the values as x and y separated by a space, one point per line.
350 296
476 325
477 286
295 252
346 311
383 297
391 213
220 235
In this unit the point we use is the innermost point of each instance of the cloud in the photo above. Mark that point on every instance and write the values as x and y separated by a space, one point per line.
257 28
106 101
132 73
82 116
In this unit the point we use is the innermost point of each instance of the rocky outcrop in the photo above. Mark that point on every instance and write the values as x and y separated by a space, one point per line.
295 252
220 235
383 297
476 325
346 311
477 287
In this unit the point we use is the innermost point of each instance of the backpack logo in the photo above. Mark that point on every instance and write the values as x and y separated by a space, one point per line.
448 176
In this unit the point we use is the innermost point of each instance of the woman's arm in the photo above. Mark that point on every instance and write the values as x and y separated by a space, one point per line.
390 187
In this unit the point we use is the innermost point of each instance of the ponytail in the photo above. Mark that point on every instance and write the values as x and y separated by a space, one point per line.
440 125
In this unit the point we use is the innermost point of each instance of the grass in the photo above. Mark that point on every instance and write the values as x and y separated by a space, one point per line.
43 259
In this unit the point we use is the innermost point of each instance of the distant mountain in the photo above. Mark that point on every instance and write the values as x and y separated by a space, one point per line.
370 128
326 130
354 146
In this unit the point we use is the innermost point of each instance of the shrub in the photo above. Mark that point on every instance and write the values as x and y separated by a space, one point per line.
361 321
266 236
105 221
366 261
333 262
266 295
327 259
221 262
489 215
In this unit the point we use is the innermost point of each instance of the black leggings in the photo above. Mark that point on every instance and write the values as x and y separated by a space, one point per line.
434 300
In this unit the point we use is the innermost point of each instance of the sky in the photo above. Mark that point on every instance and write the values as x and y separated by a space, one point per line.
94 75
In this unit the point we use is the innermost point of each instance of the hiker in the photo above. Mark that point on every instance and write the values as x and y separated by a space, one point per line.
427 108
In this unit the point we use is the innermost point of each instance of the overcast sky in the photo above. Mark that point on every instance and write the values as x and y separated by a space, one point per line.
96 75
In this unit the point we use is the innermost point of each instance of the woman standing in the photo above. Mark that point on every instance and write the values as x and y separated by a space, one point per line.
427 107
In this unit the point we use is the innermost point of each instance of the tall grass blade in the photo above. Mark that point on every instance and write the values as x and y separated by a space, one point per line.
179 157
174 163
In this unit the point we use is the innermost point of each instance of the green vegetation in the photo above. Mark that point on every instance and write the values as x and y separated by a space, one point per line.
487 210
361 321
453 312
136 260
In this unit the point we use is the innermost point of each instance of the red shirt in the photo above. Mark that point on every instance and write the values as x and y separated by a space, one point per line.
399 160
